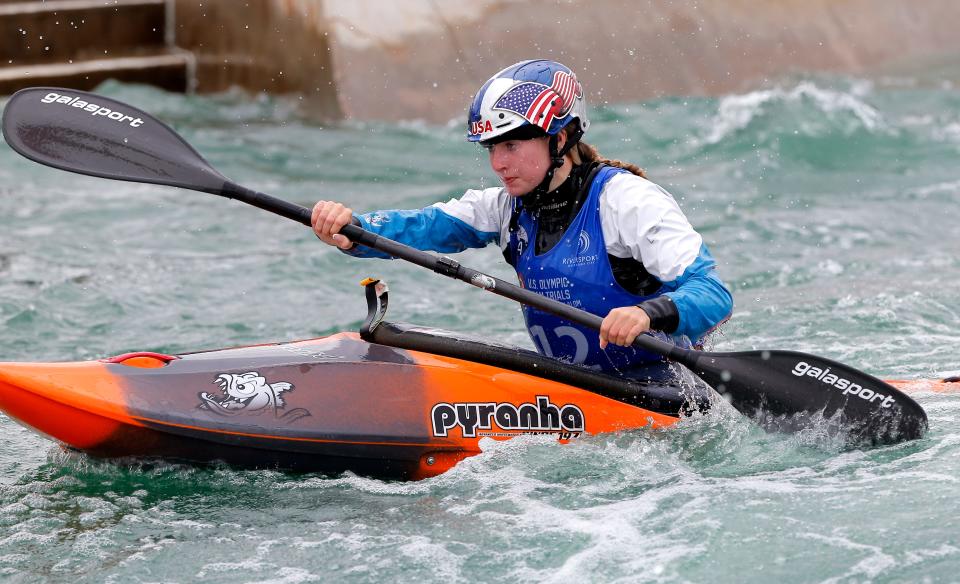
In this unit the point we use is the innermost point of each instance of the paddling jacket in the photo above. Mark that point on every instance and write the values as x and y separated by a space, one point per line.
654 258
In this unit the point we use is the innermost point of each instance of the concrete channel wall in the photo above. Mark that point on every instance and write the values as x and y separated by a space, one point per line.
81 43
423 59
273 46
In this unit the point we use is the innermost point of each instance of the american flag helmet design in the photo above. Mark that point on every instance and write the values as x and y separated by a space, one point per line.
543 93
540 104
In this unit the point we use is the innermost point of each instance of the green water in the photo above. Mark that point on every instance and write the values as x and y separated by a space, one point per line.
832 205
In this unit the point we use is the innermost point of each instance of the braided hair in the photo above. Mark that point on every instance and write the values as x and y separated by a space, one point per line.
585 153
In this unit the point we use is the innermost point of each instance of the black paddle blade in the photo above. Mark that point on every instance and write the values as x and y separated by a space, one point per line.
94 135
791 390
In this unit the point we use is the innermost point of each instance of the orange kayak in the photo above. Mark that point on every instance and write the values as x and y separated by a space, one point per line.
331 404
948 385
396 408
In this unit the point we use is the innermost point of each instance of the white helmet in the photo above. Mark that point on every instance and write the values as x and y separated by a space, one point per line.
539 93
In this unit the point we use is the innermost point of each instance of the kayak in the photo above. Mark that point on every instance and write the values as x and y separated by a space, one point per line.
331 404
394 401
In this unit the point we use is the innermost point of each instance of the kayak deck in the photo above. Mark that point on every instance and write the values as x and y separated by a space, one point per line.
332 404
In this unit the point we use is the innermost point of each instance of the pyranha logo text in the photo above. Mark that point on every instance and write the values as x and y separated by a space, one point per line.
540 417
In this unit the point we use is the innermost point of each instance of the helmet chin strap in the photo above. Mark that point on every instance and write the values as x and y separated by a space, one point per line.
531 200
556 161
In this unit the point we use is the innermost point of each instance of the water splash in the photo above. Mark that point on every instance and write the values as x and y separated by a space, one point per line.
821 110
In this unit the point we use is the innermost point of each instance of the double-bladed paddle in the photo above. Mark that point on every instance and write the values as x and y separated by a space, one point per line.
98 136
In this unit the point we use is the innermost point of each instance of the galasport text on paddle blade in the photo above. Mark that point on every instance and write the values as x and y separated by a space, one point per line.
91 134
777 387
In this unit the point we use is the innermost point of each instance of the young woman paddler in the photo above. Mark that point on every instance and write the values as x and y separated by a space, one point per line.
590 232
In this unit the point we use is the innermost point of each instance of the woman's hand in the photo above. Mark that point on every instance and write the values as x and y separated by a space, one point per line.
623 325
328 218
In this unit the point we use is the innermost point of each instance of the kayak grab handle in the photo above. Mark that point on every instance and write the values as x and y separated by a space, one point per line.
144 359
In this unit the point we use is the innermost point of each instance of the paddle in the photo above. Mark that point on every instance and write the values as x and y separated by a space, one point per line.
98 136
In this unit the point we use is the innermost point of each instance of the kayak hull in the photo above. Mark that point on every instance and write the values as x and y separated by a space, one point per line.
333 404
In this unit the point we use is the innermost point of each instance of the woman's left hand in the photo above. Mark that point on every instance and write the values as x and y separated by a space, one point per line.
623 325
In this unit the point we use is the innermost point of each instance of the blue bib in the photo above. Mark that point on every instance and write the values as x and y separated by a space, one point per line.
576 271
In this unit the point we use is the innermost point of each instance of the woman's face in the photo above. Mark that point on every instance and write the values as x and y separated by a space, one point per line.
520 164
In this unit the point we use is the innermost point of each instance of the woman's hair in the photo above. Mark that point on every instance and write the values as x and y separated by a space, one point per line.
584 152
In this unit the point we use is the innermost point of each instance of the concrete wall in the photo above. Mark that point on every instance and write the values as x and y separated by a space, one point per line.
386 59
277 46
425 58
82 43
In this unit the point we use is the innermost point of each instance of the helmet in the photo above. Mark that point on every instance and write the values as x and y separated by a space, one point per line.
539 93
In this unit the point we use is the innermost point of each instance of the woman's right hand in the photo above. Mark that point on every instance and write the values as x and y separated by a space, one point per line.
328 218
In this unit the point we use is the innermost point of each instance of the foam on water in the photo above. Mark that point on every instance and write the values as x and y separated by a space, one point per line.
843 111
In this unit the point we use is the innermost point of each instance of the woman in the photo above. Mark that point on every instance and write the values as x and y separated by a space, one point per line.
587 231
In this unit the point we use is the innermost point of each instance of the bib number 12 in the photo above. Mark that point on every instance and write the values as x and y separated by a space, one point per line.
579 339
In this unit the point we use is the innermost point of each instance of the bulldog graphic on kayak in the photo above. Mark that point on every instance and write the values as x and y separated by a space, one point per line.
249 393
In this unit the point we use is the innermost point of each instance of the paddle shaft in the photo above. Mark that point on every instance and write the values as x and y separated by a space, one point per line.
452 269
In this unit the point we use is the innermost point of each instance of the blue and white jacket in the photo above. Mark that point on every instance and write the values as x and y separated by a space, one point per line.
639 220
